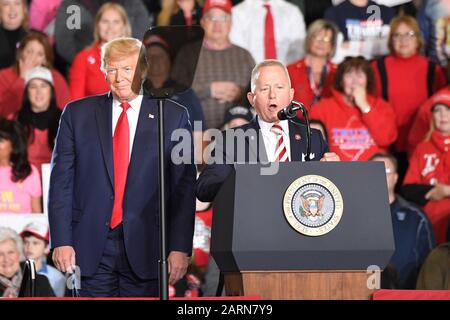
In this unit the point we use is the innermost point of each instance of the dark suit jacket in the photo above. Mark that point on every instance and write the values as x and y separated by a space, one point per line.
81 193
253 151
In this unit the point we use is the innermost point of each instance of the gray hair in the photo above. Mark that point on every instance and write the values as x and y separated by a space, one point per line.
9 234
267 63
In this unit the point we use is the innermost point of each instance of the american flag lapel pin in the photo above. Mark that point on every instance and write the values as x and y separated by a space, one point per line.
151 116
297 137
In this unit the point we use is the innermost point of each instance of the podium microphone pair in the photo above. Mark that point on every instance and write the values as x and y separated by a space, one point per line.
289 113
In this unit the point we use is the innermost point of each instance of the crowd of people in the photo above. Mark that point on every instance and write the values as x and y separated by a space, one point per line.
374 79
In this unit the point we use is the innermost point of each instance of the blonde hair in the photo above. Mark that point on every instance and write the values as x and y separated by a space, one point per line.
25 15
122 48
267 63
122 13
318 26
169 8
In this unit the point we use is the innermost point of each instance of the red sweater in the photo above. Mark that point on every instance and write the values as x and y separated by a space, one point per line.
86 79
39 151
300 82
430 164
352 134
12 89
422 121
407 90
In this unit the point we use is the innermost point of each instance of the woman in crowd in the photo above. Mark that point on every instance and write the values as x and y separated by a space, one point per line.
13 28
406 79
86 78
39 115
357 123
422 120
20 184
427 180
11 274
34 50
312 77
180 12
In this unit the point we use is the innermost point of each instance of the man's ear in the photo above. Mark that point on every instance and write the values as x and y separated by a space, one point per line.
251 98
395 178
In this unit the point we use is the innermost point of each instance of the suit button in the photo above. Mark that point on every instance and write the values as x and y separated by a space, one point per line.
107 223
112 197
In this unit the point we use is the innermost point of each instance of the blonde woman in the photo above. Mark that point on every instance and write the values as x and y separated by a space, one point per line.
86 78
180 12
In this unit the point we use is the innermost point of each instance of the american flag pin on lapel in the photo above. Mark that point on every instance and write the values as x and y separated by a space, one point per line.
151 116
297 137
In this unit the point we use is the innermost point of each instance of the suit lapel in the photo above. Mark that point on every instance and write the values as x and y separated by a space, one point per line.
296 142
257 150
104 125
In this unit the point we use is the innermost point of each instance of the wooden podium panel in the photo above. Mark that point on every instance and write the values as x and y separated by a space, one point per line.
299 285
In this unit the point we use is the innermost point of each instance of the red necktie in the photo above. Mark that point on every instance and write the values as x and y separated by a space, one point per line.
121 151
270 51
281 154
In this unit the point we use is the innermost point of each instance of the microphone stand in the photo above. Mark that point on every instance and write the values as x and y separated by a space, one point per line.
308 130
290 112
161 96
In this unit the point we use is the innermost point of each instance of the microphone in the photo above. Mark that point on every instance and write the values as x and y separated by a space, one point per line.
290 111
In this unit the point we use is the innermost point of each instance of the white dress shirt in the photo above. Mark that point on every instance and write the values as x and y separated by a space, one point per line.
248 25
271 139
132 115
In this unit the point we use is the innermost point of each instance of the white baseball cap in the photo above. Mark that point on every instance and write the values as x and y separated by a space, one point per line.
39 73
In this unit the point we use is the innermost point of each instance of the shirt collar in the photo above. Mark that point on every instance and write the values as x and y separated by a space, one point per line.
266 126
135 104
44 268
261 3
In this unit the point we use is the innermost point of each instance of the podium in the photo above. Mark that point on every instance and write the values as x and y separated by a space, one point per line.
261 253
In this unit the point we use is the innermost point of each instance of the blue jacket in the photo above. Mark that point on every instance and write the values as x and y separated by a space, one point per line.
414 239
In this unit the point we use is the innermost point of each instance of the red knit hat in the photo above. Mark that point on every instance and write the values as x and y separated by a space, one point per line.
443 98
225 5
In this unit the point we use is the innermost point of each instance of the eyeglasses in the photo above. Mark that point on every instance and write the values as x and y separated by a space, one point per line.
407 35
217 19
113 71
323 39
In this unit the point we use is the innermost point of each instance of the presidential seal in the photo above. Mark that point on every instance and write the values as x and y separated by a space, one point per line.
313 205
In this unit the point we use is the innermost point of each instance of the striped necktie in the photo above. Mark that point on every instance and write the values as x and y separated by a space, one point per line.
281 154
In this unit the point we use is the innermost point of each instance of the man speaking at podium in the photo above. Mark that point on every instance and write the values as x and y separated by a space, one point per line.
103 199
282 141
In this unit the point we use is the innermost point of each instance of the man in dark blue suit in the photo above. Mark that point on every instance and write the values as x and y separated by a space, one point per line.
266 139
103 200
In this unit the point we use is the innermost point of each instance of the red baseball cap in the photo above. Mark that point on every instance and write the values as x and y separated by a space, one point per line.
36 229
225 5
